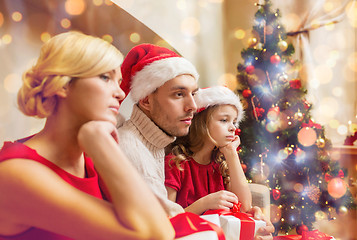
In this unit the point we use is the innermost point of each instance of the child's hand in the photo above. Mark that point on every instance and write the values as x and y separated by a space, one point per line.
220 200
232 146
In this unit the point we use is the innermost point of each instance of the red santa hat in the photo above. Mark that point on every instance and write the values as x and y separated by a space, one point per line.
147 67
218 95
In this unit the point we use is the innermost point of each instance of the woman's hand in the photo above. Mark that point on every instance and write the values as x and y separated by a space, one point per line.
94 129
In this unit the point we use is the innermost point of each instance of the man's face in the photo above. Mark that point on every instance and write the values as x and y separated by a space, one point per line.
172 105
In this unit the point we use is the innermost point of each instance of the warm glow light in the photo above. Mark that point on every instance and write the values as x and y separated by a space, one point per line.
328 107
333 123
75 7
228 80
324 74
45 36
291 20
330 26
351 61
1 19
328 6
108 2
190 26
7 39
342 130
181 4
16 16
337 91
12 83
65 23
239 34
108 38
97 2
351 10
135 37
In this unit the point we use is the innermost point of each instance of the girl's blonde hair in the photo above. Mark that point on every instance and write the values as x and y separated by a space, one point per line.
64 57
185 146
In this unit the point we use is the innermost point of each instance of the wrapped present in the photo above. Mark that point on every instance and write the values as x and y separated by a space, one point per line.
306 235
236 225
190 226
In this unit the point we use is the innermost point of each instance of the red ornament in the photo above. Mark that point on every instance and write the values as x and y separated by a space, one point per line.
275 59
301 228
295 84
237 131
250 69
259 112
328 177
341 174
247 93
244 167
276 194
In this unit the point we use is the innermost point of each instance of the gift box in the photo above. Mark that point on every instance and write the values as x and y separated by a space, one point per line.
235 225
189 226
306 235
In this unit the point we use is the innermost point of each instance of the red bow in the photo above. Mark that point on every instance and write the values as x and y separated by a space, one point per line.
311 124
246 222
189 223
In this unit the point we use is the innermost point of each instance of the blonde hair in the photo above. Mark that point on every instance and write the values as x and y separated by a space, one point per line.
64 57
184 147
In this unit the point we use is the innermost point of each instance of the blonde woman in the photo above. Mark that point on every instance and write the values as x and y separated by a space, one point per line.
52 184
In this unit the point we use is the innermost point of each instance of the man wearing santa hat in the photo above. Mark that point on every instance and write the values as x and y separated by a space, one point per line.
162 85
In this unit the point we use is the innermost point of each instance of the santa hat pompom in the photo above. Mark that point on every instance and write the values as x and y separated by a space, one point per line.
218 95
147 67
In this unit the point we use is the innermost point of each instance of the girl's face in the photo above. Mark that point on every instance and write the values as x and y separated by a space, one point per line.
96 98
222 125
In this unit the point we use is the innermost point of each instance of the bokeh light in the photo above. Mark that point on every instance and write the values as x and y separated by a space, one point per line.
1 19
228 80
45 36
135 37
336 187
351 10
108 38
352 62
65 23
307 136
275 213
190 27
323 73
328 107
298 187
181 4
337 91
320 215
108 2
97 2
75 7
342 130
12 83
6 39
334 123
291 21
239 34
16 16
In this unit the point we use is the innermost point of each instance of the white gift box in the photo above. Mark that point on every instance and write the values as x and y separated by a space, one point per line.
232 225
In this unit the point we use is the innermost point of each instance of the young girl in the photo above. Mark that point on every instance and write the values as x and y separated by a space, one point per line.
203 171
49 188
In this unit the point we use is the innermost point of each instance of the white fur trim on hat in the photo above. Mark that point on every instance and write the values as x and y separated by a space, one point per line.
218 95
156 74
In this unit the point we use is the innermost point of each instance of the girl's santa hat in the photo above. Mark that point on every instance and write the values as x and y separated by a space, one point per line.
218 95
147 67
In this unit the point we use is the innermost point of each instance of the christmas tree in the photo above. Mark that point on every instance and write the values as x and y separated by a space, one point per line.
282 147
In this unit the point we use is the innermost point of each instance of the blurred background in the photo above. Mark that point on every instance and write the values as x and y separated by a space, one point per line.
210 33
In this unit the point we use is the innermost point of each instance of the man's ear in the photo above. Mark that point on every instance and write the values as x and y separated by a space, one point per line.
145 103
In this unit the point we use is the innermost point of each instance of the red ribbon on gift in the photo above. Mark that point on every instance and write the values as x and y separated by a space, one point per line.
189 223
247 224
